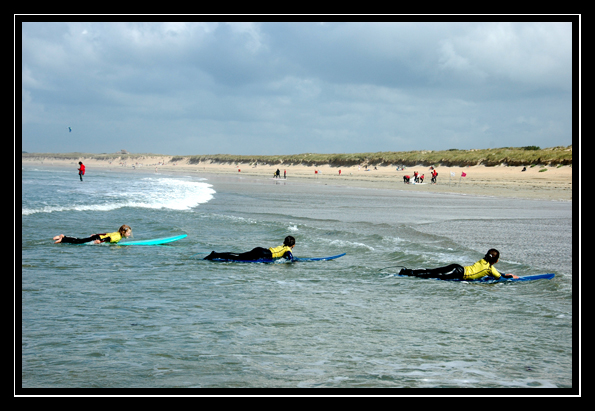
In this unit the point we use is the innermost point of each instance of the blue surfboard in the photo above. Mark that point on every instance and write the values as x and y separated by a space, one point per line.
332 257
155 241
281 260
502 279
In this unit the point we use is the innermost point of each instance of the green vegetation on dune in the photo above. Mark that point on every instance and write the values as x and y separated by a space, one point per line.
511 156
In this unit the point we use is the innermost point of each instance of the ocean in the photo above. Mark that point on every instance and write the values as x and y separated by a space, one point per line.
109 316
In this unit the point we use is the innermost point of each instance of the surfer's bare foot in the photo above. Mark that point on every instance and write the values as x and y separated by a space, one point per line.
58 238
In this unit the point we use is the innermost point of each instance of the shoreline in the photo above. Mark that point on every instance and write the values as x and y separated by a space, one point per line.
555 183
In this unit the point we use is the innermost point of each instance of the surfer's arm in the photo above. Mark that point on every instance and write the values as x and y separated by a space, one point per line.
99 239
494 273
497 275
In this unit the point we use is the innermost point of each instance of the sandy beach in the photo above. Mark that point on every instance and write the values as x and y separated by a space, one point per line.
538 182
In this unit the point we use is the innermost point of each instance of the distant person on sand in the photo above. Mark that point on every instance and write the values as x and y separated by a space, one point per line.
123 231
434 175
406 179
81 170
480 269
524 169
283 251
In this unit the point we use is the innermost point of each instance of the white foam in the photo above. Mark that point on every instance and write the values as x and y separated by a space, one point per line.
151 193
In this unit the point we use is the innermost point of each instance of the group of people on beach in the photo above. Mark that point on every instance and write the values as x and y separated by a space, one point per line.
417 179
277 174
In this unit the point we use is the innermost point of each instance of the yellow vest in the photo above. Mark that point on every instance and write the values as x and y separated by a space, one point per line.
480 269
114 237
279 251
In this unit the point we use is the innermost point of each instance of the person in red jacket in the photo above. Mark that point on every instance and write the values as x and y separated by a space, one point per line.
81 170
434 175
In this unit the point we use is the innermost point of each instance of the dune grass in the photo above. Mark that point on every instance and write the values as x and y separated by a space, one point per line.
511 156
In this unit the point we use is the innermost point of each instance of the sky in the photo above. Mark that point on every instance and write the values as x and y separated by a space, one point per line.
271 88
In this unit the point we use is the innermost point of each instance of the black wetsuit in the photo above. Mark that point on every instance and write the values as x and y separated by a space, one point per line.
254 254
75 240
449 272
104 238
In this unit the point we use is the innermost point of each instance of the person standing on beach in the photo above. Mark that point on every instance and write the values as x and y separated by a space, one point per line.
81 170
434 175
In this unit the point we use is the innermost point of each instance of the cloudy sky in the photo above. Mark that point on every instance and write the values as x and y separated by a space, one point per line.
289 88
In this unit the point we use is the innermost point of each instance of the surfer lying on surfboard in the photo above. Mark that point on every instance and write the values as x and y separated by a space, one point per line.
123 231
283 251
480 269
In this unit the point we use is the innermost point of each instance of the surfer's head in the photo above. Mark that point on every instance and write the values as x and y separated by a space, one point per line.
492 256
289 241
125 231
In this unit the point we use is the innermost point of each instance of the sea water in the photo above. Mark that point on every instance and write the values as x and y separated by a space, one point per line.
108 316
